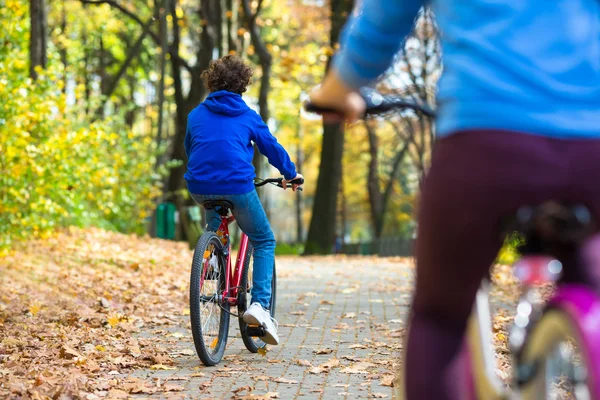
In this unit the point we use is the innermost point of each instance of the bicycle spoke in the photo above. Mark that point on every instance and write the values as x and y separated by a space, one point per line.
211 296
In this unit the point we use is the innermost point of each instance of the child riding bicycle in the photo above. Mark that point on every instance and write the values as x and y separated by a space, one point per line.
218 143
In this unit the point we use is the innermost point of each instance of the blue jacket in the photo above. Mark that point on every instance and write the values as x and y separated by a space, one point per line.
218 144
531 66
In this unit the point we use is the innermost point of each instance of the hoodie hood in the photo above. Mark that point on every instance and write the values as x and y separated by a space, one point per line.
226 103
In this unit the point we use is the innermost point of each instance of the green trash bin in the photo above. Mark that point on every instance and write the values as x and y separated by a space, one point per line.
166 220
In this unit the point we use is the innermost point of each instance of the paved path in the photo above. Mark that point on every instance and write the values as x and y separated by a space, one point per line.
341 323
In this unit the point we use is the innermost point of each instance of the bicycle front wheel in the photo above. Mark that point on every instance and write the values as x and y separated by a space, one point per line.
245 299
209 314
555 360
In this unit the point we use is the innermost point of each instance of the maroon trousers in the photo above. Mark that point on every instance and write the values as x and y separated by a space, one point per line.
476 179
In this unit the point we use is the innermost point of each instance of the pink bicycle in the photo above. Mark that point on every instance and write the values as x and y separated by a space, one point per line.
554 344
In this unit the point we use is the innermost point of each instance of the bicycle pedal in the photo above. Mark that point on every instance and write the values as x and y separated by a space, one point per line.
255 330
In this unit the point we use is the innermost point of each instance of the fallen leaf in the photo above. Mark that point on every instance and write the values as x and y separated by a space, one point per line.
13 342
285 381
358 368
135 351
204 386
113 320
327 302
325 350
186 352
167 387
68 352
242 389
395 321
117 394
304 363
267 396
378 396
297 312
157 367
326 367
180 378
349 315
387 380
357 346
35 308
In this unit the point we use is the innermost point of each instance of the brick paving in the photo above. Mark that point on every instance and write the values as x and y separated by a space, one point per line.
353 309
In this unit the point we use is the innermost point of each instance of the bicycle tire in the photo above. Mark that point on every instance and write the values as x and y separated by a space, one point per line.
243 301
555 327
210 353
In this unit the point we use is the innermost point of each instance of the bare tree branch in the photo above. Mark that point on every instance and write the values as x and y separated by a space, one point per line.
133 52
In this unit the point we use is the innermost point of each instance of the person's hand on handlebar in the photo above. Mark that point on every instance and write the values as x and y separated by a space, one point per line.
335 94
295 186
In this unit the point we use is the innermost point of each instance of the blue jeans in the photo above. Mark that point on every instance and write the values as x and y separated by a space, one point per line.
252 220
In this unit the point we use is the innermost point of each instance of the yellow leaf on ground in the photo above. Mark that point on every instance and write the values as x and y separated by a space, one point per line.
157 367
113 320
35 308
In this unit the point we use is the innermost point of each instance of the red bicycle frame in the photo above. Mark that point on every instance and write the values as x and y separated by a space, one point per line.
233 276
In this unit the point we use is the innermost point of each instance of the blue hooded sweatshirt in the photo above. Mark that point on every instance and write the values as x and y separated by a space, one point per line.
218 144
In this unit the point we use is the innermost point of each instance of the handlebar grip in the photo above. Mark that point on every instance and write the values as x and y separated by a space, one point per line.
311 107
375 103
299 181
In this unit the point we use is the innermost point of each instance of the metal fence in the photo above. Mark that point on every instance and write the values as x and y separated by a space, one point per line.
383 247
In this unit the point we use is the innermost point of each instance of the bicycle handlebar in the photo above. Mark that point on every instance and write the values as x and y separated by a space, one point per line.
376 104
279 182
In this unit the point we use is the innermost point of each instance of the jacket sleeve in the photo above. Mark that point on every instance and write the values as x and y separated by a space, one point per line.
188 140
371 38
270 148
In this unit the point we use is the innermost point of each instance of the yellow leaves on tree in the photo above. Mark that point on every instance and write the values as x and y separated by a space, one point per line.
56 168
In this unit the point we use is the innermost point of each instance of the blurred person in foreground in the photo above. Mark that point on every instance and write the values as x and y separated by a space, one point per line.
518 123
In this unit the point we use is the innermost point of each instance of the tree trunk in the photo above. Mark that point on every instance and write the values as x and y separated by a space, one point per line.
175 182
61 48
38 39
375 195
321 232
162 18
266 61
232 24
131 112
299 223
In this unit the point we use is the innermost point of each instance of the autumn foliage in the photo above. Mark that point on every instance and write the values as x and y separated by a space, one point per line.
58 168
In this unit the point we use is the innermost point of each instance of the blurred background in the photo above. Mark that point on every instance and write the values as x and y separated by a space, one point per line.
94 98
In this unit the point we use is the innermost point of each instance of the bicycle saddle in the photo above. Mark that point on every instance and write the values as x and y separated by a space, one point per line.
222 206
553 224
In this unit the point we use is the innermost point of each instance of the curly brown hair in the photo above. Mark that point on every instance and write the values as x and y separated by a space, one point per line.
227 73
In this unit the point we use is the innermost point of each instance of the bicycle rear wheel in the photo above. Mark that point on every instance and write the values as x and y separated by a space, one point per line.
208 312
245 299
555 356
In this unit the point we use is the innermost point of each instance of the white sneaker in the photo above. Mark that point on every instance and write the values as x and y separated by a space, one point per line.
257 315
